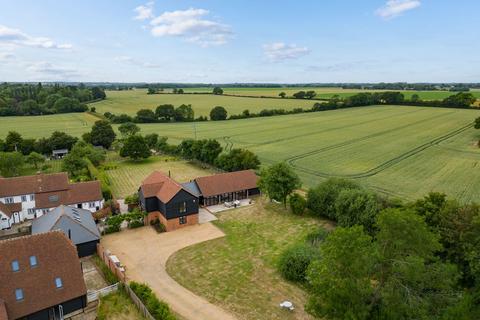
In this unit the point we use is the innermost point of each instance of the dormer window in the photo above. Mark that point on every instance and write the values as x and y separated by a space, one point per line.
58 283
33 261
15 266
19 294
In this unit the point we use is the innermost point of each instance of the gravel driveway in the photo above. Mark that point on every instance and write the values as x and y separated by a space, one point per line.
144 252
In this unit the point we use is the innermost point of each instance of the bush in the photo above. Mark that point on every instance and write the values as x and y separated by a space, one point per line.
294 262
316 237
108 275
297 203
321 199
158 309
132 199
158 226
135 224
357 206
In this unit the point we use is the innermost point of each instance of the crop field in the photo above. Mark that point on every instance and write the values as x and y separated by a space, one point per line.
400 151
126 176
42 126
325 93
131 101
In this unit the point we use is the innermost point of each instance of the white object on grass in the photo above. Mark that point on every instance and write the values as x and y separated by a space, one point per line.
287 305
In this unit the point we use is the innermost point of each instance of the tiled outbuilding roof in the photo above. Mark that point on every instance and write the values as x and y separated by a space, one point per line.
227 182
56 257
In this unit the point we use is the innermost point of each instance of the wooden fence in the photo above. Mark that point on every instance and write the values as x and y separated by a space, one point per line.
136 300
107 259
95 295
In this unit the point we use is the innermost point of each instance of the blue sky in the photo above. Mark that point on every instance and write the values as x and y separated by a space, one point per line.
240 41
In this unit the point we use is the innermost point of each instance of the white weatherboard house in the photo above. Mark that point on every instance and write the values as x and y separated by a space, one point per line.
29 197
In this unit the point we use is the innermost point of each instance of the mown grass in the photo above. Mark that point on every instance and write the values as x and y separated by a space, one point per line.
126 175
117 306
238 272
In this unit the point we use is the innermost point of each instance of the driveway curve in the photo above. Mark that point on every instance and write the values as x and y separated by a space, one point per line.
144 252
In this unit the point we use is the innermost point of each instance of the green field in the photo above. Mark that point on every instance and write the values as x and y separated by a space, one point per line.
131 101
398 150
401 151
323 92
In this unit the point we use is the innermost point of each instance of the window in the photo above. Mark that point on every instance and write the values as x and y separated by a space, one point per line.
19 294
15 266
24 198
53 198
9 200
33 261
44 211
58 283
91 204
32 197
31 211
183 207
183 220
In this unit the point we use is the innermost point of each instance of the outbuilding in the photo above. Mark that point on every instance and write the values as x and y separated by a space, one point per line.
77 224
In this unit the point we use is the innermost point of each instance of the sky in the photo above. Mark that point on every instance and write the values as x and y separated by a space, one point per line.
228 41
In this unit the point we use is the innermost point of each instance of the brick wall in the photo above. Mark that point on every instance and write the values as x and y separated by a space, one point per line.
171 224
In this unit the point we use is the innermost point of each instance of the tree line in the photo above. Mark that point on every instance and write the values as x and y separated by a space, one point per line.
30 99
386 259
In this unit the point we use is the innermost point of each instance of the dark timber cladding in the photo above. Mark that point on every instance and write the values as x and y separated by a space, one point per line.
228 186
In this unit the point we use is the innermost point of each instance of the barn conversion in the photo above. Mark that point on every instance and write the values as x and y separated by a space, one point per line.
77 224
41 277
176 205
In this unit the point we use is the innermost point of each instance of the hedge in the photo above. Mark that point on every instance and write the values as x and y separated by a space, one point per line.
158 309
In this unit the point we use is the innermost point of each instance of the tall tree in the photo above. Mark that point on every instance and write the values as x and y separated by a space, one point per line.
279 181
35 159
218 113
165 112
102 134
128 129
135 147
11 163
217 91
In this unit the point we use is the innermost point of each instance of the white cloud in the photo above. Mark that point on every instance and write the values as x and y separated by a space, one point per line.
47 70
15 37
144 12
394 8
133 61
192 25
279 51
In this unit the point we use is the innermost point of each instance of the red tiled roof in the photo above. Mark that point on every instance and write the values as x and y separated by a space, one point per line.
33 184
56 257
51 190
159 185
227 182
10 208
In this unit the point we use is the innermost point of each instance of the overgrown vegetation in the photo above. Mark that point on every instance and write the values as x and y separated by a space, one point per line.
108 275
158 309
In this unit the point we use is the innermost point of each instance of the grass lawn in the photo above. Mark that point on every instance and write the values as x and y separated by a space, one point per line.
238 272
117 306
126 175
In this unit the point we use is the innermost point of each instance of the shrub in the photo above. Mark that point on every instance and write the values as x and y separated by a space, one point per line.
135 224
132 199
321 199
297 203
316 237
294 262
158 309
357 206
108 275
158 226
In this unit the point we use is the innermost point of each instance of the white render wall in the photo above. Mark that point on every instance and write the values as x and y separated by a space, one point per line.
30 204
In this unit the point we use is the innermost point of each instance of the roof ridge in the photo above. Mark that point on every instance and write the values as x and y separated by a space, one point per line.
43 234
